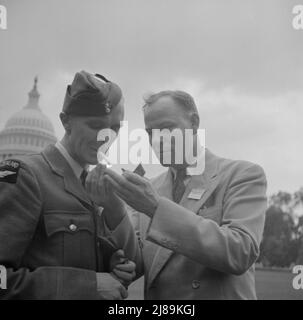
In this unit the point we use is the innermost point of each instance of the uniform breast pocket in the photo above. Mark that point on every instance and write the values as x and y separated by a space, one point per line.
213 213
71 238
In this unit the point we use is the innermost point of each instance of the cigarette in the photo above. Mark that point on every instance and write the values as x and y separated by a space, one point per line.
105 160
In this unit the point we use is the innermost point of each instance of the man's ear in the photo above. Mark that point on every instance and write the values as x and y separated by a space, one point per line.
65 119
195 121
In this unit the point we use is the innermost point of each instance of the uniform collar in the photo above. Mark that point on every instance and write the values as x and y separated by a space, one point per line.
77 169
60 166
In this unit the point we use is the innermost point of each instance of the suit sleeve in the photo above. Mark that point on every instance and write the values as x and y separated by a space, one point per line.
231 247
124 237
20 208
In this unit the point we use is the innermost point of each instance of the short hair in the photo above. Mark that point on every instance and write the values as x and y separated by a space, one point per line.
184 99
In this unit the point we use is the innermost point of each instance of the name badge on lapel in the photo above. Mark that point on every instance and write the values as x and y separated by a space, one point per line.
196 194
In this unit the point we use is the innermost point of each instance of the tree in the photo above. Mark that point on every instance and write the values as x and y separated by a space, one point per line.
300 241
279 246
282 242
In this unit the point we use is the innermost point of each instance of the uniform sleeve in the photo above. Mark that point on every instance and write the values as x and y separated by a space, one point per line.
124 237
20 208
231 247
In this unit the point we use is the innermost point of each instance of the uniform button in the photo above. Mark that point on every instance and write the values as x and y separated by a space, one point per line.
73 227
196 284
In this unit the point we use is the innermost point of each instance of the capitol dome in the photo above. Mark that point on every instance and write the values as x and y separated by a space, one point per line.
28 131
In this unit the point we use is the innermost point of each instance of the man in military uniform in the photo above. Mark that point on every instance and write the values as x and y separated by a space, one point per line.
54 240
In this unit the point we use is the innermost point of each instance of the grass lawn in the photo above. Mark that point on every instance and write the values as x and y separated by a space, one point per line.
275 285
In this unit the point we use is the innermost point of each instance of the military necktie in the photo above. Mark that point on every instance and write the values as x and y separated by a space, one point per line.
83 177
179 185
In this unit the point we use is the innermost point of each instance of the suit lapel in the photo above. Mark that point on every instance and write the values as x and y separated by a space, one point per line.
208 181
197 182
60 166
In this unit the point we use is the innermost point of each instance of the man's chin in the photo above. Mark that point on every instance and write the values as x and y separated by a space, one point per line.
92 159
93 163
173 165
168 162
166 165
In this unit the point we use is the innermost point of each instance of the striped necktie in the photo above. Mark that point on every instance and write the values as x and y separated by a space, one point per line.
179 185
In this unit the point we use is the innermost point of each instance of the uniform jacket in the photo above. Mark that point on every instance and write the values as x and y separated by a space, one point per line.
51 233
206 248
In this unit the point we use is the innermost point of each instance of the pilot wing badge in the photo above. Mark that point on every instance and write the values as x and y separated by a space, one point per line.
4 174
9 170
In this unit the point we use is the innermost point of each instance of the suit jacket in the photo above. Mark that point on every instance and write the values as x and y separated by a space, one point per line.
51 232
206 248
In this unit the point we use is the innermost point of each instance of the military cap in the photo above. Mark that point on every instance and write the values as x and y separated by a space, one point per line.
91 95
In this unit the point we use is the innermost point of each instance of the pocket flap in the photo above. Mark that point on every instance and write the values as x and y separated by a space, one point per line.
67 222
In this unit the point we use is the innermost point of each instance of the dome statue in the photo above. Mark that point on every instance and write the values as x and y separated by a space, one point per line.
28 131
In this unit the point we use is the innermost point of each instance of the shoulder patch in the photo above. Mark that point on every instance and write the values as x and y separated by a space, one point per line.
9 170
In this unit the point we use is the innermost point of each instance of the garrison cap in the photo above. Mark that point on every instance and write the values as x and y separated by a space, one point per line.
91 95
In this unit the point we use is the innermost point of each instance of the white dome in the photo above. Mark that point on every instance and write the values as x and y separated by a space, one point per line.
30 119
28 131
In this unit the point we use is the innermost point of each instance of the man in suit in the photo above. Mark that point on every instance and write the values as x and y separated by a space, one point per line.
55 242
201 221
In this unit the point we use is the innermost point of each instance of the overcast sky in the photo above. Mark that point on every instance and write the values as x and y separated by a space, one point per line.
241 61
